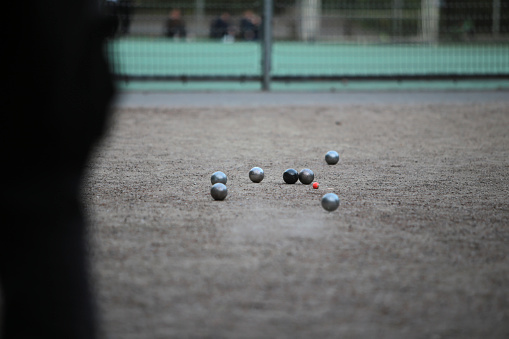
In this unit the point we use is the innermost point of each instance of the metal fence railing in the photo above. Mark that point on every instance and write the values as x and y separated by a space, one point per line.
294 40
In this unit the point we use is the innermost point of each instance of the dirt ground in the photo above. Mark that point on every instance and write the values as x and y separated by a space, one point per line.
419 247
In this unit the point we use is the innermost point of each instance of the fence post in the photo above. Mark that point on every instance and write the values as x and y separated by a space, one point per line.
310 16
430 16
266 44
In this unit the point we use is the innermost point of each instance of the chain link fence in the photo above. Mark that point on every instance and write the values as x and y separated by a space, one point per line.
295 40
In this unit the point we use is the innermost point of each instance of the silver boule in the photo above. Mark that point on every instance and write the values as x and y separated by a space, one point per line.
306 176
332 157
218 177
219 191
330 202
256 174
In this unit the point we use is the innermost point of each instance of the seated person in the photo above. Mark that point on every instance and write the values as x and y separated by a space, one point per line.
175 26
250 26
220 26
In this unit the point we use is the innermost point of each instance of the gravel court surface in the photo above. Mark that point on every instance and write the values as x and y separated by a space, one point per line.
417 249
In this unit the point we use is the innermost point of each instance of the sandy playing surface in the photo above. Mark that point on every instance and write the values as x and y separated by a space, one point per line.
419 247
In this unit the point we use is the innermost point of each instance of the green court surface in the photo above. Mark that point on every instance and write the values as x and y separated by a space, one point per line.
163 57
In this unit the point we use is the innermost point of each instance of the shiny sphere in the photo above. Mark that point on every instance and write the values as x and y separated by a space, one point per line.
219 191
290 176
218 177
256 174
332 157
306 176
330 202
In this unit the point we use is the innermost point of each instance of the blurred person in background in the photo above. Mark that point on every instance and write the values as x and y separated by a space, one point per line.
175 27
250 26
221 27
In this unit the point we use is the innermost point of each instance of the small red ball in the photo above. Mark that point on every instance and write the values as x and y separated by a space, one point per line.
315 185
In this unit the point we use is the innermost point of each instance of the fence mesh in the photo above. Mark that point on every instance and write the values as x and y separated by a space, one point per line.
318 39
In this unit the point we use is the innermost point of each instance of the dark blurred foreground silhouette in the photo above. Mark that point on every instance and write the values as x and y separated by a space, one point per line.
55 109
